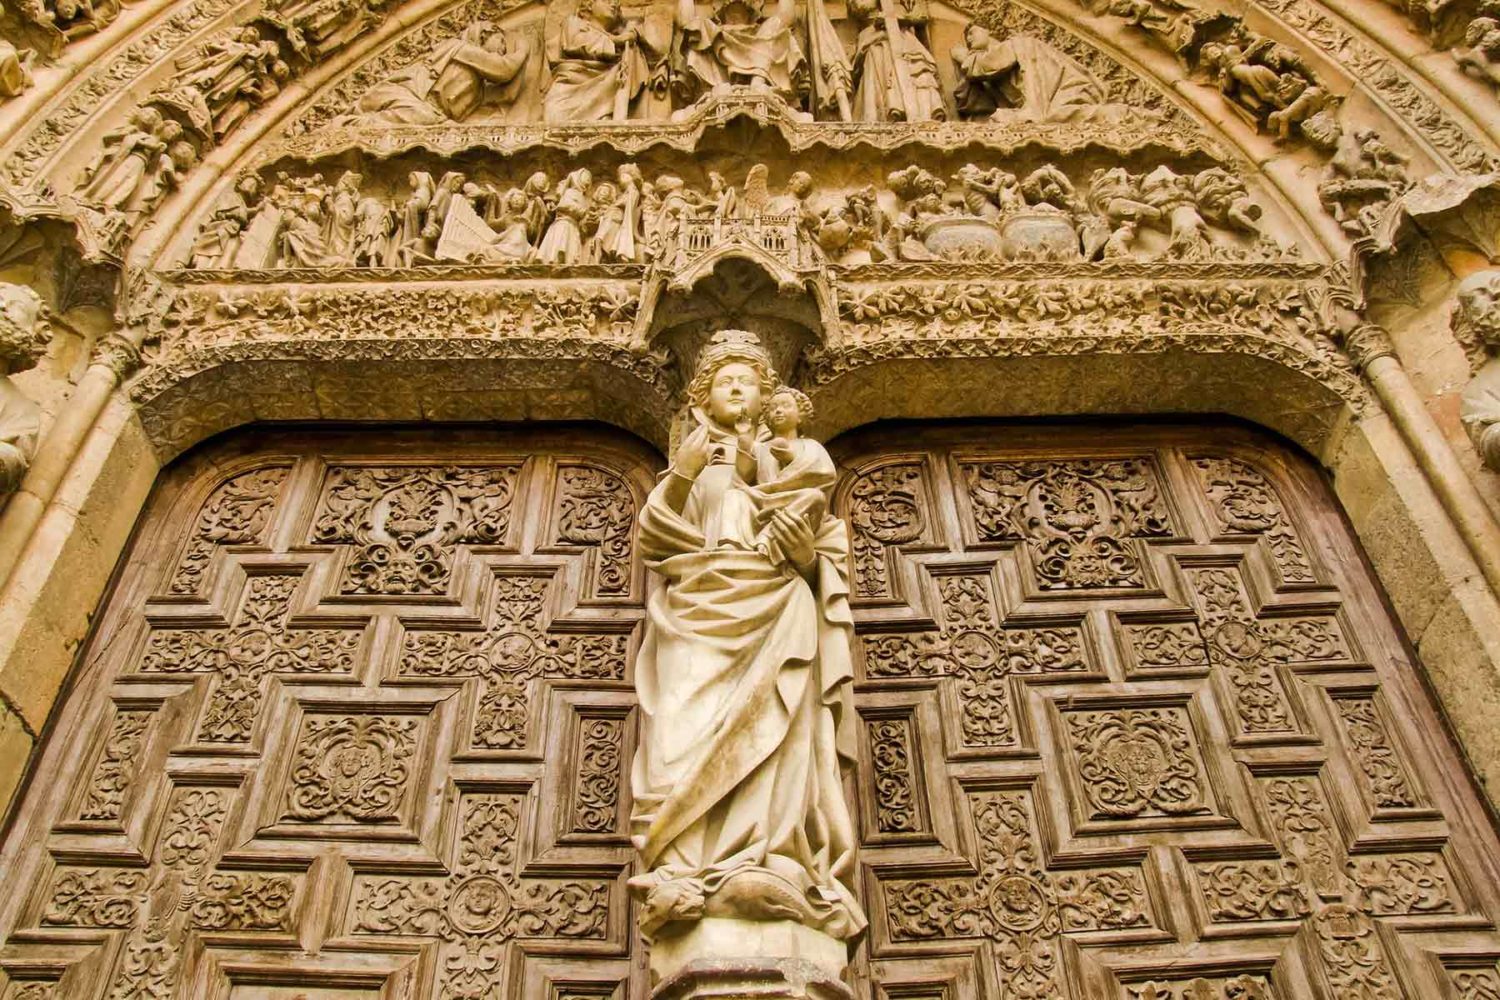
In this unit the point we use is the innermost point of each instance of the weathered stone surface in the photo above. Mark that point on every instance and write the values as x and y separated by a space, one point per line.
751 979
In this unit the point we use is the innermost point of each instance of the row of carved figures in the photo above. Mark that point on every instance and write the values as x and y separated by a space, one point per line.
595 65
622 218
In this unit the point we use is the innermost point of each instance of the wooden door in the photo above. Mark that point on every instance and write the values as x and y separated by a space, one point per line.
356 719
1138 725
352 726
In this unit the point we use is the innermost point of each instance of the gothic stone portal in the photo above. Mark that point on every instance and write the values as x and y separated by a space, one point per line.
1134 724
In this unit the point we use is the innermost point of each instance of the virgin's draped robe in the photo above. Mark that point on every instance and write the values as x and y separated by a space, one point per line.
743 679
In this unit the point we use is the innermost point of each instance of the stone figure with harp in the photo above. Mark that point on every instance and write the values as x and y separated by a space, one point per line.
744 676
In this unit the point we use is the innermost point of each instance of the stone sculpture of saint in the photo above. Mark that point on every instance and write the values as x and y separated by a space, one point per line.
599 66
483 65
879 94
1025 79
738 47
744 672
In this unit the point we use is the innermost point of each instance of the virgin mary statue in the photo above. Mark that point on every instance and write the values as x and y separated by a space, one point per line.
743 674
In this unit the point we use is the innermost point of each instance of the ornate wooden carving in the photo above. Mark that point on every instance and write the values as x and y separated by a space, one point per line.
361 721
1144 691
1133 724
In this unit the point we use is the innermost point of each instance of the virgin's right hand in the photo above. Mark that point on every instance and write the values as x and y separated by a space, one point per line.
692 454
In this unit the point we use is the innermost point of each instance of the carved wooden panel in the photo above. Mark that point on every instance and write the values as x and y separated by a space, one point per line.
1137 726
354 725
1133 725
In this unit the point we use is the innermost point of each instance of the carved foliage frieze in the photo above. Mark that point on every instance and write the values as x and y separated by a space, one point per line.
1078 520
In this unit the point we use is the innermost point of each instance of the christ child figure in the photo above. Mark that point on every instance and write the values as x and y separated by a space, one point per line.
793 473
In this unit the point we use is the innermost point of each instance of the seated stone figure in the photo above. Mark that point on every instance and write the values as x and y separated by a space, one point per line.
1025 78
485 65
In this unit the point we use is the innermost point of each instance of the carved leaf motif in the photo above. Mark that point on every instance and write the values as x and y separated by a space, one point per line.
1014 901
1304 829
597 508
1137 762
406 521
885 510
32 991
1477 984
238 512
1244 501
1247 649
1375 754
244 902
596 800
351 768
897 809
1200 988
482 904
1078 518
507 658
116 768
979 655
257 643
1173 645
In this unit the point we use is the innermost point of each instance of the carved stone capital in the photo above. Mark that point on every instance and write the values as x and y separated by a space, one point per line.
1367 342
118 354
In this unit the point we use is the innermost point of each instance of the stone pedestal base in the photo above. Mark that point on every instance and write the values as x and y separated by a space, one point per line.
726 959
752 979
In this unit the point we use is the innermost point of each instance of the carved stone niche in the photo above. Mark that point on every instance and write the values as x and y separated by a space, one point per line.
740 292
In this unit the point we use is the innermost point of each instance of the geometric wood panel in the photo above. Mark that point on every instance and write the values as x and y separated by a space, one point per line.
1134 723
1138 725
353 725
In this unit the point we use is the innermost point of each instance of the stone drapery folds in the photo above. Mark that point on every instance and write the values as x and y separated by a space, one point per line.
745 670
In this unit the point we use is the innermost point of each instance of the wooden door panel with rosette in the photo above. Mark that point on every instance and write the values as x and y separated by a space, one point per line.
1136 724
353 725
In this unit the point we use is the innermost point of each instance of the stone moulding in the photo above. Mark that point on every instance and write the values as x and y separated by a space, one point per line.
601 319
1143 134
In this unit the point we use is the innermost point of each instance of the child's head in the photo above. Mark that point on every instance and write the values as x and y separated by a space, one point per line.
787 410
